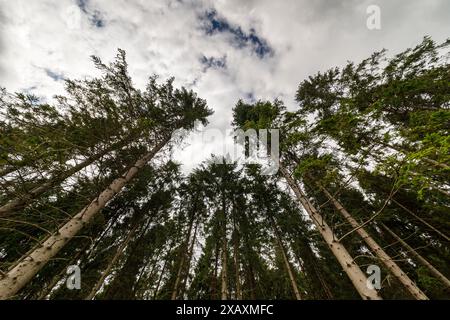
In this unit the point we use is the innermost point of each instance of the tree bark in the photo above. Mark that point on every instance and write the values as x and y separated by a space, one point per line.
410 286
113 261
224 271
316 272
237 264
357 277
22 273
286 261
151 273
188 263
19 202
184 253
421 220
224 275
57 277
214 293
158 284
421 259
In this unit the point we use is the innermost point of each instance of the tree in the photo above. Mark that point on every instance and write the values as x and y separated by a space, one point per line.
180 108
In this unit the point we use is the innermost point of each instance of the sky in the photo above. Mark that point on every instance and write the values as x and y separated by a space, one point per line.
223 50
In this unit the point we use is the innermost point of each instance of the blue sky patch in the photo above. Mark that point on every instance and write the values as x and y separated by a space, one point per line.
213 62
54 75
241 39
93 16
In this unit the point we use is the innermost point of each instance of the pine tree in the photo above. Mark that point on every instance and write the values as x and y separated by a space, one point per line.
180 108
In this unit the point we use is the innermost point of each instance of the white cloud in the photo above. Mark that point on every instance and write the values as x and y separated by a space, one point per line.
165 37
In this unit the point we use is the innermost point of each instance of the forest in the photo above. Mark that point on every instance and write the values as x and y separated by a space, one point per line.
88 183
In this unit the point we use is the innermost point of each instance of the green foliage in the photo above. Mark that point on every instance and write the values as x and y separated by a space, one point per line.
375 135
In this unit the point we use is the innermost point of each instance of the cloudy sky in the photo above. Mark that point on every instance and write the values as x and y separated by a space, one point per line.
224 50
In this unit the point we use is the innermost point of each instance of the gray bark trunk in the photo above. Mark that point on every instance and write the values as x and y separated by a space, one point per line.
286 263
380 253
421 220
21 201
113 261
421 259
22 273
356 276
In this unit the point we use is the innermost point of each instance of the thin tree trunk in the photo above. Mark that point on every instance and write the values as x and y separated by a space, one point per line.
249 274
21 201
158 284
410 286
136 285
357 277
224 272
115 290
214 275
312 269
184 253
113 261
237 272
325 286
421 259
224 262
421 220
252 281
99 239
286 261
188 263
21 274
237 263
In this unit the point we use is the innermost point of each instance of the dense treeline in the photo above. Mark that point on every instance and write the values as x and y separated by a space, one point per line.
363 180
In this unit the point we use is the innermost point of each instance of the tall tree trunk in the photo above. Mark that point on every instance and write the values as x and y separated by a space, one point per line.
421 259
250 273
224 271
409 285
184 253
224 261
111 263
214 295
286 260
357 277
22 273
151 273
420 219
188 263
315 271
158 284
121 285
21 201
237 268
251 280
237 271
